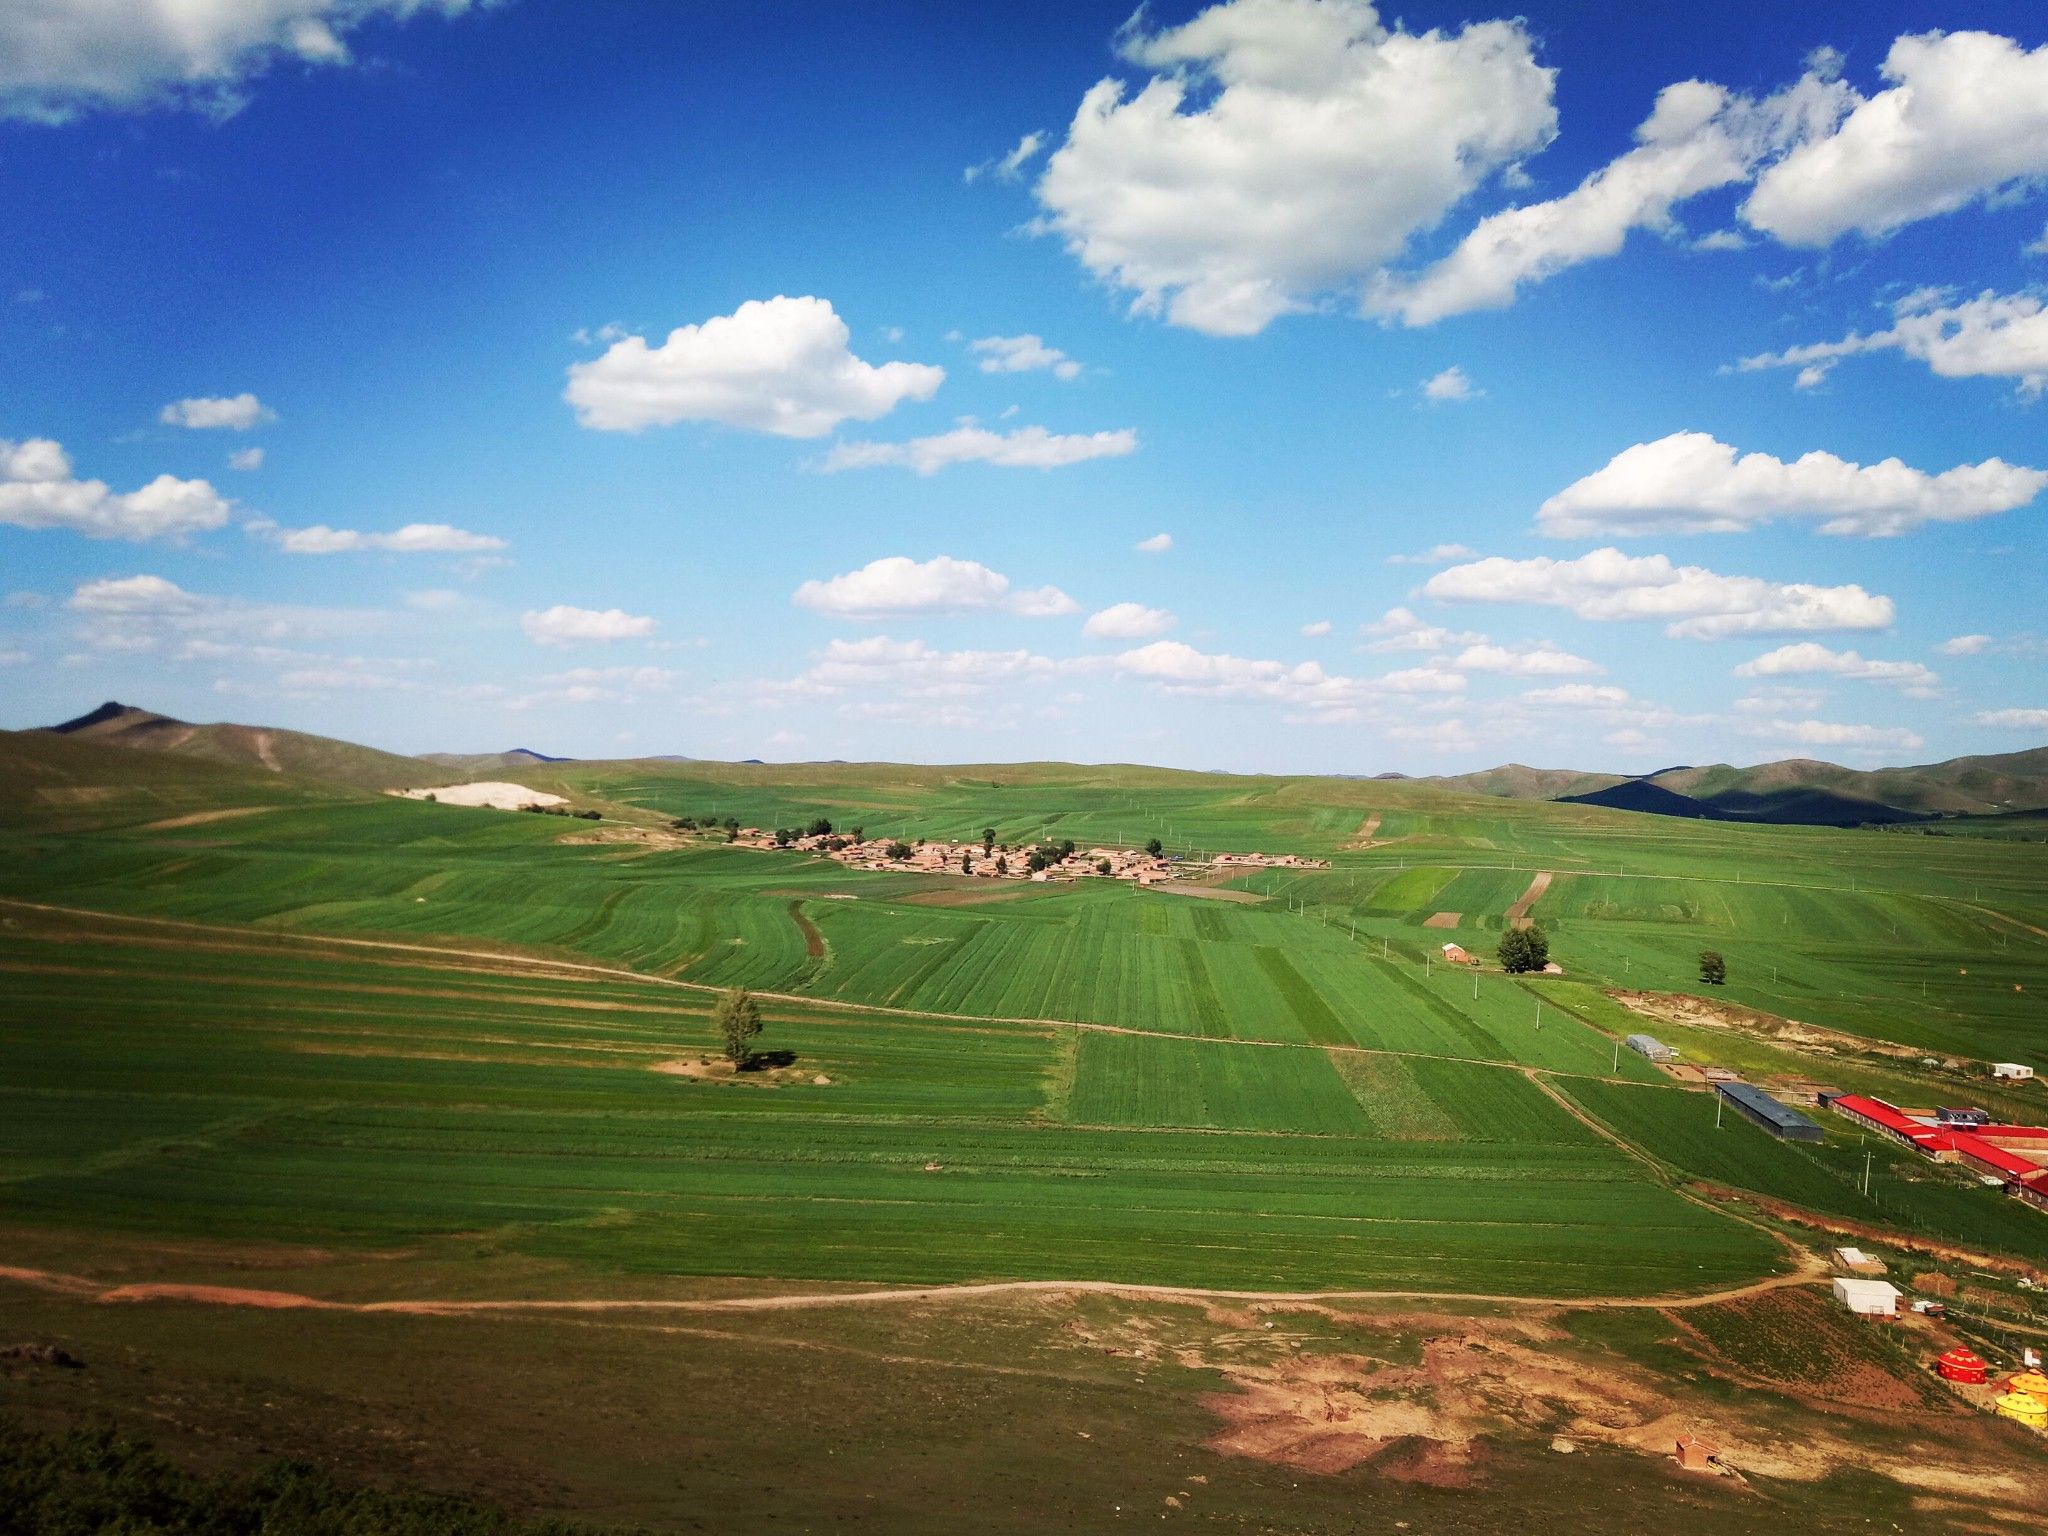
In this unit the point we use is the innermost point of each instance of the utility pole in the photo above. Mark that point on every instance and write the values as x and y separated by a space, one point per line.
1866 1174
1719 1101
1615 1069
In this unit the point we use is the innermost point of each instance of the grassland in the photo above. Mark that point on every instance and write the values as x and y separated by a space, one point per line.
262 1033
1113 1083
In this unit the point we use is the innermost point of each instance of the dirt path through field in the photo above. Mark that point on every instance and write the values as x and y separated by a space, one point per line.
1518 914
814 941
203 818
235 1296
1365 834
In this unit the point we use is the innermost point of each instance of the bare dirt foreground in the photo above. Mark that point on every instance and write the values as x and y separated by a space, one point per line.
1449 1401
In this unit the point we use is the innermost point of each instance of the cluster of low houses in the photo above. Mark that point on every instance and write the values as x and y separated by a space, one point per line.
984 861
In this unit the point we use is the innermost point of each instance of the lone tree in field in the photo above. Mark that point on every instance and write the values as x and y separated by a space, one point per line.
1155 848
738 1019
1524 949
1713 969
988 840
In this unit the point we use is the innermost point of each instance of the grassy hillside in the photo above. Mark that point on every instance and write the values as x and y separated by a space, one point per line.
277 751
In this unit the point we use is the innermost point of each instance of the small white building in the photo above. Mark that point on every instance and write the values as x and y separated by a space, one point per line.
1867 1298
2017 1071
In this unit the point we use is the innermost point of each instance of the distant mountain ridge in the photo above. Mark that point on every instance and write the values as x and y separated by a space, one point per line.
1793 791
295 753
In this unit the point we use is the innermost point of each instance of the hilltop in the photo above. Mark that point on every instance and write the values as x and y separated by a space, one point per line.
279 751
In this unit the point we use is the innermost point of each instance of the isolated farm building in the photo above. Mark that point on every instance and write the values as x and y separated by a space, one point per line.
1695 1455
1867 1298
1651 1047
1454 954
2012 1069
1761 1109
1963 1365
1857 1262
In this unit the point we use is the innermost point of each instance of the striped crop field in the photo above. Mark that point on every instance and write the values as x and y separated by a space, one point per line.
1085 1081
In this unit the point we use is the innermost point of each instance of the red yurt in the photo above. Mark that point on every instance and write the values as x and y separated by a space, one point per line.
1960 1364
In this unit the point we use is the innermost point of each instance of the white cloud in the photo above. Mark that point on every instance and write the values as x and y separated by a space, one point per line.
1807 658
897 585
1284 150
11 656
1328 698
1829 733
1449 386
565 625
920 670
1780 700
38 490
59 58
132 595
1579 696
2015 719
149 614
1964 645
1317 630
1966 115
1698 604
1441 554
1023 354
1698 137
1721 240
1158 544
1128 621
246 459
1023 448
1010 166
1691 483
1401 630
777 365
412 539
1543 659
1991 336
236 413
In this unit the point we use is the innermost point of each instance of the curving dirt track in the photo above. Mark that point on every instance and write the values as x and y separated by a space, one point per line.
233 1296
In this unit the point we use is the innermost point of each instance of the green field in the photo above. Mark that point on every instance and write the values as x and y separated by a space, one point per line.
1093 1082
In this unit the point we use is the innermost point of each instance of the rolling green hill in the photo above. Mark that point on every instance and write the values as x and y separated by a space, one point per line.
277 751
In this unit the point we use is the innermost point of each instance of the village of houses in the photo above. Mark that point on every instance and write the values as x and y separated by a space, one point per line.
987 859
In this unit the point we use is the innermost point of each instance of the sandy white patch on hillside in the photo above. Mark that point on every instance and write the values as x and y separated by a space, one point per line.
493 793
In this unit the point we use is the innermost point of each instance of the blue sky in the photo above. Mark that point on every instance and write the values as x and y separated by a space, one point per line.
1577 389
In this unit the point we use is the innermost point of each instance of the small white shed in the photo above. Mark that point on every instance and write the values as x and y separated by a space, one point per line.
2017 1071
1868 1298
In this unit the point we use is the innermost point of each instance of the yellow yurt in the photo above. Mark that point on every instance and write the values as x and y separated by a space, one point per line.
2023 1407
2031 1382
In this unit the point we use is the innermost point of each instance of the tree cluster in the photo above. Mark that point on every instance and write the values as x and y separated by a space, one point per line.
563 810
1523 950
